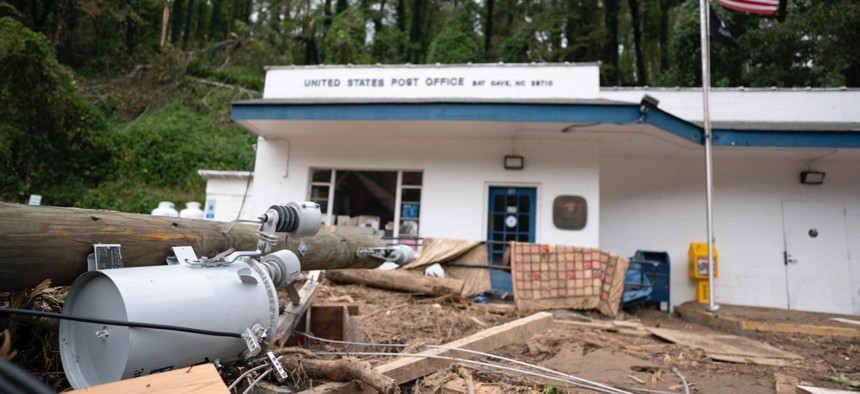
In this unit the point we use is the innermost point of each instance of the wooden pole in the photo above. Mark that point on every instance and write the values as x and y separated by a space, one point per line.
401 280
50 242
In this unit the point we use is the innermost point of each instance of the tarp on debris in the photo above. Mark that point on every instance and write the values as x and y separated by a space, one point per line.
555 276
438 250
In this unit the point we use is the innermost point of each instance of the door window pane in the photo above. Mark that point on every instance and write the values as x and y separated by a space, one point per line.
321 176
412 178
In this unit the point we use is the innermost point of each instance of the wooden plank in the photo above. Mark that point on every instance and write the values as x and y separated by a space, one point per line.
846 321
200 379
495 307
328 322
744 327
777 362
730 345
597 325
785 384
324 321
407 369
709 319
291 318
401 280
800 329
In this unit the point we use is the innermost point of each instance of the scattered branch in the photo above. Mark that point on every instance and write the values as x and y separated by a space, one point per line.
343 370
6 351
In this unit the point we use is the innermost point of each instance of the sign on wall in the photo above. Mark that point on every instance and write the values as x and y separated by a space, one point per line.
480 81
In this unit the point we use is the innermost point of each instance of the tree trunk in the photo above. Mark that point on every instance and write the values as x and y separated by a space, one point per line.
51 242
611 51
189 21
416 31
340 6
782 11
636 23
327 16
402 280
216 26
665 6
488 32
178 18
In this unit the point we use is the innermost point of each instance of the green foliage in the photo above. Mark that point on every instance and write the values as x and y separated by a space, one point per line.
517 48
345 38
389 44
845 381
684 43
458 42
157 158
551 390
50 138
818 44
238 76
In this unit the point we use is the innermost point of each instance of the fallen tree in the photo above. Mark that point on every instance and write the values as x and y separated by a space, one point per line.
52 242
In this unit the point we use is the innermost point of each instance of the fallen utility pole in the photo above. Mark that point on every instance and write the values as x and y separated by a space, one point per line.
51 242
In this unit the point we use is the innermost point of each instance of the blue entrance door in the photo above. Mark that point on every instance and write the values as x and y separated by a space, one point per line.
511 217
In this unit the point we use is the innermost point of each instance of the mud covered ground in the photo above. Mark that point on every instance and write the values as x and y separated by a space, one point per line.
632 361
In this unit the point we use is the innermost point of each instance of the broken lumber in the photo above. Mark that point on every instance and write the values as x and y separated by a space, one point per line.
400 280
495 307
51 242
727 347
407 369
785 384
203 379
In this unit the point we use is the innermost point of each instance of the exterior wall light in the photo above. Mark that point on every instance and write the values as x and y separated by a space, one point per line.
647 103
514 162
811 177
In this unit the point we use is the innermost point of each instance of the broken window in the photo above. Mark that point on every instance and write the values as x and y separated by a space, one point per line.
388 202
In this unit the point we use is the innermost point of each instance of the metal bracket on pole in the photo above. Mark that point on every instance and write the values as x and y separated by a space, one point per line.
399 254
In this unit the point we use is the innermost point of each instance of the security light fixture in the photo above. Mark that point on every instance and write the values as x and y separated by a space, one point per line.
811 177
514 162
647 104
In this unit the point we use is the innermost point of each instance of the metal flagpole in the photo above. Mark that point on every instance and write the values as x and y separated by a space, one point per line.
709 178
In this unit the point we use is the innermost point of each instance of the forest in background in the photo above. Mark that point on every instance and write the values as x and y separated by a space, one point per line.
115 104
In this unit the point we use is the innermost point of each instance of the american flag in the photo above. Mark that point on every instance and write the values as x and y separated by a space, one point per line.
753 6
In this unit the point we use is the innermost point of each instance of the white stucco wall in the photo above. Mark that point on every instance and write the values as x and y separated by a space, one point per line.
656 204
457 174
226 193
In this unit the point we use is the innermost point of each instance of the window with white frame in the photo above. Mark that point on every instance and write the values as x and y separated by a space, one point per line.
389 202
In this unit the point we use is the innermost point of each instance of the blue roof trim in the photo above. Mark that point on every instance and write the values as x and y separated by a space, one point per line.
787 139
675 125
543 112
500 112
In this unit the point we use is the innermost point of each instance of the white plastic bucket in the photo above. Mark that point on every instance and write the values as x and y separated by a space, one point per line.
208 298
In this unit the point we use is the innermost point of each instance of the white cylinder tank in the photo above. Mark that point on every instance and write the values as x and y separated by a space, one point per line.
208 298
165 208
192 211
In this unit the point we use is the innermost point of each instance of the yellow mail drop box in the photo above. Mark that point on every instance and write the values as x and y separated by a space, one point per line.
699 261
